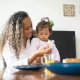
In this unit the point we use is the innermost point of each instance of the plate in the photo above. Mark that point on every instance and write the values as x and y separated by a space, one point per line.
64 68
29 67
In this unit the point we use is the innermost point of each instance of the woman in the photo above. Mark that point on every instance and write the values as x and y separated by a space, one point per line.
15 41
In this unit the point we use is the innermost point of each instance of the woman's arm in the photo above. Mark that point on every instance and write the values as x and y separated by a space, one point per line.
12 60
39 53
35 52
32 58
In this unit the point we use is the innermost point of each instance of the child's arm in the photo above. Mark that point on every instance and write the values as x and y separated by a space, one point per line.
55 52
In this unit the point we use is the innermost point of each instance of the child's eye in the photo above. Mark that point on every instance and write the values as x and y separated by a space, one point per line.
45 34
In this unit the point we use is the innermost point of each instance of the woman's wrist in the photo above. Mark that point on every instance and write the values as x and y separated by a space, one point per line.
37 53
33 57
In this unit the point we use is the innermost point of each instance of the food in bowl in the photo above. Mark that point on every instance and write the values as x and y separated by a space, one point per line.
70 60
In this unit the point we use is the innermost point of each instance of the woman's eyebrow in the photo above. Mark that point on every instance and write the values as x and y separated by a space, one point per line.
29 26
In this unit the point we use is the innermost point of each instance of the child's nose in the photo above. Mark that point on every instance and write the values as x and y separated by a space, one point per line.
43 35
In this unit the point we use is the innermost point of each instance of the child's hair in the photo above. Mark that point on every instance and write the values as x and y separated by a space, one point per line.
44 23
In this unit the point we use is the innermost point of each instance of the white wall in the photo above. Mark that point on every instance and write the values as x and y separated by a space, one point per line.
43 8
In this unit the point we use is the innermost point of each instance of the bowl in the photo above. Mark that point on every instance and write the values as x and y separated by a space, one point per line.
64 68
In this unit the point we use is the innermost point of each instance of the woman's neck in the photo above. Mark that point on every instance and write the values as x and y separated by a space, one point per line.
25 42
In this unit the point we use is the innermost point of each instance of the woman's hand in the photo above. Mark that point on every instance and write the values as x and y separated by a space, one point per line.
45 50
39 53
37 61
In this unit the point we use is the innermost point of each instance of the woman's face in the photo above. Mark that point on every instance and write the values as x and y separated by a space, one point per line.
27 28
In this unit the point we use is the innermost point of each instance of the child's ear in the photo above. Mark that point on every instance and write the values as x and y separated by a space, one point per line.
36 34
50 33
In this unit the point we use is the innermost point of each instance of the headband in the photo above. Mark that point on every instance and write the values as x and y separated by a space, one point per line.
46 19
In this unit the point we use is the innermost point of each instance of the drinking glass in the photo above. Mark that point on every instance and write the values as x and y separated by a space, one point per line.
49 58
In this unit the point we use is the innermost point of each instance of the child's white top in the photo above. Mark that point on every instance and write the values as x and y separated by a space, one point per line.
36 44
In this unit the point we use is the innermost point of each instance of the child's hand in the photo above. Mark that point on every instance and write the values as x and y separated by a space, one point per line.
47 47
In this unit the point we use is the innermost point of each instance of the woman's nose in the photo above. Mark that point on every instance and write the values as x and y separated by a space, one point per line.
31 29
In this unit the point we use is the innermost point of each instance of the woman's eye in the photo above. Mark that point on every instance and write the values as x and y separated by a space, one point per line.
27 28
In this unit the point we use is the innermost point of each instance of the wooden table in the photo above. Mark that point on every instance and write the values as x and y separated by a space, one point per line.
13 74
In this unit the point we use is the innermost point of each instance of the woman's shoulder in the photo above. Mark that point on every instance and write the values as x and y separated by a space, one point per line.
7 50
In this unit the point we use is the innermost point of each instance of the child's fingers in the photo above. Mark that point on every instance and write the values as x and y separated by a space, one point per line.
48 46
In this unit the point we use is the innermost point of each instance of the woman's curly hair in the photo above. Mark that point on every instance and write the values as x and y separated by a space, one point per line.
13 32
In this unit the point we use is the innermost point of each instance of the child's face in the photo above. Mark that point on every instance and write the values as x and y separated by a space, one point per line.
43 34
